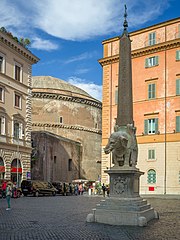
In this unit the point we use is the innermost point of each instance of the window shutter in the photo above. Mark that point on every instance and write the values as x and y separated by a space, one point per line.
146 62
156 60
178 55
156 125
178 87
177 123
153 90
116 96
154 37
149 91
145 126
153 154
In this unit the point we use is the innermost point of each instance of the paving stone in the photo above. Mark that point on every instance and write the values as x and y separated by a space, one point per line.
64 217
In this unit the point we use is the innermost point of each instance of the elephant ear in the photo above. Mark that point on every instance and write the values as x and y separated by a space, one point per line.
124 141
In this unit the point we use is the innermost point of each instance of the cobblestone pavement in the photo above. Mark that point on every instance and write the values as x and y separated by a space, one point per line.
63 217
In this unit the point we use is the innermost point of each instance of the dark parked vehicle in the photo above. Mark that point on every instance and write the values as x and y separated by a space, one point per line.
35 188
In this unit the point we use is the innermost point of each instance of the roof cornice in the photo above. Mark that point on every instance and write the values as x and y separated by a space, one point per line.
67 98
72 127
143 30
10 43
143 51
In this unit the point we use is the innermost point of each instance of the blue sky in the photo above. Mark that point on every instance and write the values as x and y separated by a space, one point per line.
67 34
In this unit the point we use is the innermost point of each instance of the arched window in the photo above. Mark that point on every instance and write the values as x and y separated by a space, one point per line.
151 178
16 163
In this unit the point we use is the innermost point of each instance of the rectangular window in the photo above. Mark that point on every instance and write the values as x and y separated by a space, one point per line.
18 72
151 62
116 95
2 125
1 94
151 126
61 119
2 63
151 91
152 38
17 101
70 165
16 130
151 154
178 55
177 123
178 87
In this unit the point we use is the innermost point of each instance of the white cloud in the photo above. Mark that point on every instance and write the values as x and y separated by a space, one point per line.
93 89
80 71
47 45
83 56
78 19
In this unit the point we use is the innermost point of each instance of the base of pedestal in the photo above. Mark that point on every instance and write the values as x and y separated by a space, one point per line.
113 211
124 206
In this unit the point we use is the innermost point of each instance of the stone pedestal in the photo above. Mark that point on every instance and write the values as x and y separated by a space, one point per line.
124 206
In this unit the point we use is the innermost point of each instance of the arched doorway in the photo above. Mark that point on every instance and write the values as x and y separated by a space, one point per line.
2 168
16 171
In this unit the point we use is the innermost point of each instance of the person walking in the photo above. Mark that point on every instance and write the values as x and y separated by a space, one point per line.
4 185
8 195
104 190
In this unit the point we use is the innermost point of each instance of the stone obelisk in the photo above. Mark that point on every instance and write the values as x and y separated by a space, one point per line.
124 206
125 102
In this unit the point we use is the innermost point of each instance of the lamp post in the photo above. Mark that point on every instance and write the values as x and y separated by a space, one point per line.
17 176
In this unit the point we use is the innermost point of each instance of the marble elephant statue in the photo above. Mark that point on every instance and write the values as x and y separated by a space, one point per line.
123 145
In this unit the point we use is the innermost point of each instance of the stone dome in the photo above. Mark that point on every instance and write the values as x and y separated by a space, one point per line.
48 82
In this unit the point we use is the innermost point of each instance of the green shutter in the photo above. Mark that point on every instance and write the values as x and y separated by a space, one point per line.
156 125
178 55
156 60
177 123
146 62
116 96
149 91
153 154
145 126
178 87
154 91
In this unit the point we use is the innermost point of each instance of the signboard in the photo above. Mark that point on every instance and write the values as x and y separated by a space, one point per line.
151 188
28 175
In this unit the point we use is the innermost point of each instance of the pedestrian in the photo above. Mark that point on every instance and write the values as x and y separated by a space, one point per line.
8 195
4 185
80 189
104 190
108 191
76 190
14 190
70 188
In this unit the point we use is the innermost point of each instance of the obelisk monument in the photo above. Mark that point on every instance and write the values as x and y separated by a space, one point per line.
125 102
124 206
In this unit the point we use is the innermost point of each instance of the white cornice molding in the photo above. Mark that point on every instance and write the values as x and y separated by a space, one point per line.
67 98
73 127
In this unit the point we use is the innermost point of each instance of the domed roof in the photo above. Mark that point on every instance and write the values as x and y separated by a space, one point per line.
49 82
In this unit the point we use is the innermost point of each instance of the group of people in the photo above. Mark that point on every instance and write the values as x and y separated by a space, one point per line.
78 189
105 189
9 190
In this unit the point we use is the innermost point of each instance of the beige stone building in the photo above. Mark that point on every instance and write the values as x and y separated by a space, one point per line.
156 103
15 108
67 111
